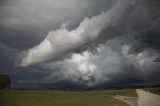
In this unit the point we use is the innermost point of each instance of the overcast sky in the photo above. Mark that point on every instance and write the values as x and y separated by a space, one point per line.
80 43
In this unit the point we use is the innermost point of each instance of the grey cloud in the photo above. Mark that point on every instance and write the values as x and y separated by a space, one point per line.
105 65
29 13
125 54
54 44
19 39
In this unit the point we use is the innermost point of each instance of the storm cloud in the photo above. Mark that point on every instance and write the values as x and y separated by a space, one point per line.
58 42
80 43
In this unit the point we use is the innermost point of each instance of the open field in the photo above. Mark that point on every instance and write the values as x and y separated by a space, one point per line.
63 98
155 90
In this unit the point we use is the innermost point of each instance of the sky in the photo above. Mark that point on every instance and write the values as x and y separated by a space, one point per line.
80 43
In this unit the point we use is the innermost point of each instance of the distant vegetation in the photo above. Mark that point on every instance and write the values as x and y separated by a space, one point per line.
5 81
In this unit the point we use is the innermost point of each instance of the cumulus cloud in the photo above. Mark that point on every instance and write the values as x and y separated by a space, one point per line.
60 41
119 46
105 65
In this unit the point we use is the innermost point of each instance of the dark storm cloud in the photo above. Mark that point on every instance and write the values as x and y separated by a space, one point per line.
107 65
151 39
19 39
24 23
49 14
125 54
20 76
148 38
54 45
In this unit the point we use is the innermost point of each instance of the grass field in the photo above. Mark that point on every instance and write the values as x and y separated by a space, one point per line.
62 98
155 90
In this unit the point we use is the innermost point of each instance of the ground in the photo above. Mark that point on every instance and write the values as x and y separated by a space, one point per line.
63 98
132 101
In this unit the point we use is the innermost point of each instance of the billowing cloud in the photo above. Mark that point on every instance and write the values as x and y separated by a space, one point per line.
105 65
60 41
116 44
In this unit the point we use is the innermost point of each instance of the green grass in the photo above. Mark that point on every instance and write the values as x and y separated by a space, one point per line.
155 90
62 98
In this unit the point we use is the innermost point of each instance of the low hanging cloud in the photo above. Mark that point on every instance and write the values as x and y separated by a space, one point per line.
106 65
60 41
110 66
118 46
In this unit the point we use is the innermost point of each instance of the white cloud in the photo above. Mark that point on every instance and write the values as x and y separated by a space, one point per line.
108 64
60 41
112 62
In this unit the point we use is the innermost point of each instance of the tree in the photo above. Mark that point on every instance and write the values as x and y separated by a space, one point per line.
4 82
